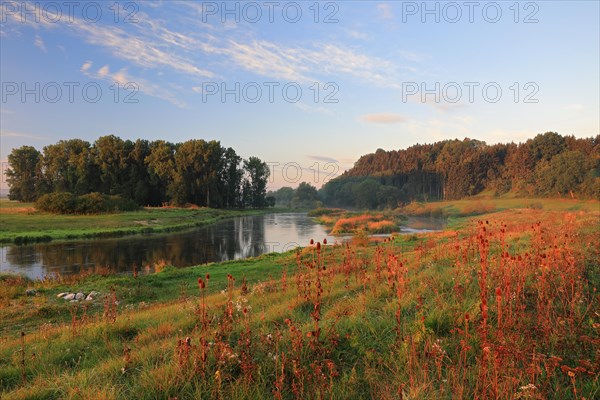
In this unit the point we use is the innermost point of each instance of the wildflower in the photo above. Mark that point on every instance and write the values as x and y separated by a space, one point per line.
530 386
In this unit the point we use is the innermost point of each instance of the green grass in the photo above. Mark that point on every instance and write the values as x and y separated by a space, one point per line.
483 205
357 321
21 223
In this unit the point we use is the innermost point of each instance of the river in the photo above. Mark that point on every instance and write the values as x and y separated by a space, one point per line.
230 239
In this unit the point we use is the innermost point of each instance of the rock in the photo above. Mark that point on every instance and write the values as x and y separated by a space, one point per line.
63 294
93 294
79 296
70 296
30 292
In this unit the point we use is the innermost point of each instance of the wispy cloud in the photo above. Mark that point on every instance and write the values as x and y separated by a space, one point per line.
412 56
323 158
207 53
385 11
23 135
39 43
384 118
123 78
447 107
357 34
309 108
86 66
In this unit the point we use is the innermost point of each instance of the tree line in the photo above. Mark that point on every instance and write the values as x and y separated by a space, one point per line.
152 173
549 165
305 196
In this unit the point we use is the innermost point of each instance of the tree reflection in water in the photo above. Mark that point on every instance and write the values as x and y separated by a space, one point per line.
230 239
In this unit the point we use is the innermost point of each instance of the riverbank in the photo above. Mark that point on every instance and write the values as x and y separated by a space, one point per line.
20 223
341 221
402 316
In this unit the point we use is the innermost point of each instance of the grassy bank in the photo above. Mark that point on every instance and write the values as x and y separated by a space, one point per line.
483 205
341 222
21 223
503 306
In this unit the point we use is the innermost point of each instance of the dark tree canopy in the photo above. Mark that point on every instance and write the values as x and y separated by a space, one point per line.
147 173
23 176
547 165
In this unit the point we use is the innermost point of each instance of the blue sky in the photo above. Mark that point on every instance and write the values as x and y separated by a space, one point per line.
372 59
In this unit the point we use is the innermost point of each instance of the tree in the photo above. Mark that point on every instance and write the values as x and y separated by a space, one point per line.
544 147
365 193
111 158
231 179
67 167
138 185
283 196
23 174
305 196
561 175
161 169
257 174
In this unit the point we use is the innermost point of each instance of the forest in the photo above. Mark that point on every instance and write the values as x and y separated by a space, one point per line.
143 172
549 165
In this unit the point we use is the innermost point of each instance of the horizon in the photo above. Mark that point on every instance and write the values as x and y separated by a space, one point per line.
163 73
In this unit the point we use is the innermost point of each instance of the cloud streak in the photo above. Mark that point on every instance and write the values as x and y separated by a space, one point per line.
211 53
384 118
39 43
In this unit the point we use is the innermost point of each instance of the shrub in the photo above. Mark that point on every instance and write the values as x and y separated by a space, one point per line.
118 203
91 203
57 202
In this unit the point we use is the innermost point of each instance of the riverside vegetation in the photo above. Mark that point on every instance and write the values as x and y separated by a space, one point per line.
502 305
22 223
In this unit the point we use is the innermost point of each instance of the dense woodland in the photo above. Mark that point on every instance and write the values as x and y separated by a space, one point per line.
549 165
207 174
147 173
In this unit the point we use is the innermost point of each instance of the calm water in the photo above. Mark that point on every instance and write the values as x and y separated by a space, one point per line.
230 239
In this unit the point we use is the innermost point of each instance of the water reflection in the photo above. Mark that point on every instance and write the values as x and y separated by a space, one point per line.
231 239
227 240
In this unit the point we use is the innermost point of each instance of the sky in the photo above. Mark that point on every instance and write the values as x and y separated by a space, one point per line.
306 86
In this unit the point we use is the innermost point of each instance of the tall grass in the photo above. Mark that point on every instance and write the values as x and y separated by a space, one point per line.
505 308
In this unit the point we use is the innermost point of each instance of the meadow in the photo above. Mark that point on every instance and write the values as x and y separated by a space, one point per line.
22 223
503 305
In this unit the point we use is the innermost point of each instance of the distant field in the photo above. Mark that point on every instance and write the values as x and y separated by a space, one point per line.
21 223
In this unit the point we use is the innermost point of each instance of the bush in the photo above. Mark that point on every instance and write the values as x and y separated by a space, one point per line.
91 203
57 203
117 203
